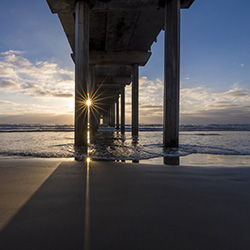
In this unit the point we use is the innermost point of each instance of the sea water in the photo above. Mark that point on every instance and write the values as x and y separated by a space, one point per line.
57 141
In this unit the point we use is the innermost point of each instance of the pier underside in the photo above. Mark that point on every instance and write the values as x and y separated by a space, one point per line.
110 39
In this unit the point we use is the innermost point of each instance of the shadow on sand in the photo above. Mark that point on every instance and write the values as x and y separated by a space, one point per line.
54 216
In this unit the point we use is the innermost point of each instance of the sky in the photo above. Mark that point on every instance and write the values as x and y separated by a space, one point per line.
37 72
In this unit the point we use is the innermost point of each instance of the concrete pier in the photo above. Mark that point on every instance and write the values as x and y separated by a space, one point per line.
112 115
135 100
171 74
123 110
116 37
117 114
81 72
106 117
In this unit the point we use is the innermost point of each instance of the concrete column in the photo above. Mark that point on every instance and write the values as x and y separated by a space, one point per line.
93 110
123 110
171 74
98 119
117 114
112 115
106 117
135 100
81 72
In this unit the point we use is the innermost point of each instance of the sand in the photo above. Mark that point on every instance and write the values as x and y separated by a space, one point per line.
47 204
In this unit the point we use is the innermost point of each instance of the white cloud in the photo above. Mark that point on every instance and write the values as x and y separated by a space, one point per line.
7 84
23 78
197 105
10 52
40 79
202 105
7 103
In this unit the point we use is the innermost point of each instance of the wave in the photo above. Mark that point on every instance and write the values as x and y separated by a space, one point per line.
19 128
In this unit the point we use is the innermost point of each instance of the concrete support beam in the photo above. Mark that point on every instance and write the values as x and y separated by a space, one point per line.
112 115
171 74
67 6
123 110
135 100
119 57
102 70
94 117
106 117
110 86
117 114
81 72
113 79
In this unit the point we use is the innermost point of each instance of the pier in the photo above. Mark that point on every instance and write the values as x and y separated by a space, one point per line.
109 41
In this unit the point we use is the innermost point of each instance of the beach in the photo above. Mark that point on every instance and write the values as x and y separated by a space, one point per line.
65 204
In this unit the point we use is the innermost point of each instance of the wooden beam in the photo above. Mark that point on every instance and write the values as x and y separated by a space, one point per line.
171 74
119 57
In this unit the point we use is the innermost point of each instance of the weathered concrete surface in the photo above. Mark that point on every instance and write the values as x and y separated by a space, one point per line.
82 73
131 206
121 33
119 57
135 100
67 6
117 109
171 74
123 110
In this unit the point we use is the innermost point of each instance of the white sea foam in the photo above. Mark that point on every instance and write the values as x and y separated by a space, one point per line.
58 141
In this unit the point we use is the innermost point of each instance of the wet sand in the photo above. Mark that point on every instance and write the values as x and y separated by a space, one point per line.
53 204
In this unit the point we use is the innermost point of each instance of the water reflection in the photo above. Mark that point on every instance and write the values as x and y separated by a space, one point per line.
135 140
171 160
135 161
81 153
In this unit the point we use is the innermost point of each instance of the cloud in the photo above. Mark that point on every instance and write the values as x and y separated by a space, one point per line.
7 103
201 105
197 105
151 107
40 79
28 80
237 92
7 84
37 118
41 92
11 52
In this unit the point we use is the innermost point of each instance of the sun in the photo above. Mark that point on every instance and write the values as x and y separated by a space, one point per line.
88 102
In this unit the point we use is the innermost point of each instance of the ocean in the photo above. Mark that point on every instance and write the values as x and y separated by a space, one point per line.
206 145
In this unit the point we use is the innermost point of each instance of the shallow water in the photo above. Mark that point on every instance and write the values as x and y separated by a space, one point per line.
201 144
